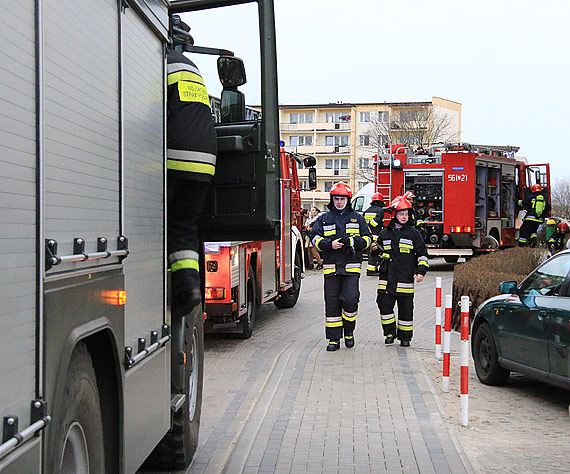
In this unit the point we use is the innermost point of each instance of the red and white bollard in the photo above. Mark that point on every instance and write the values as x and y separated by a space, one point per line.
438 318
464 360
447 343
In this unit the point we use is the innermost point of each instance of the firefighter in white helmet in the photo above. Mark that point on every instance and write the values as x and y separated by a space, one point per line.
341 235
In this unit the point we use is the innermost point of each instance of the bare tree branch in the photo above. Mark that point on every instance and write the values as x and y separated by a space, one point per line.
560 198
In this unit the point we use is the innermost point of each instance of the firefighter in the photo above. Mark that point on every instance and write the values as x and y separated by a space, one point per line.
559 239
374 217
412 218
191 163
341 234
405 260
537 207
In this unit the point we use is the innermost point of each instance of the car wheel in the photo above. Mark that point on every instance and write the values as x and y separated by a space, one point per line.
487 364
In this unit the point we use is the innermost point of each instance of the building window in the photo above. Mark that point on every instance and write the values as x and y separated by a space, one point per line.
329 164
328 186
304 185
383 117
364 117
301 140
363 163
364 140
337 117
337 140
306 117
344 164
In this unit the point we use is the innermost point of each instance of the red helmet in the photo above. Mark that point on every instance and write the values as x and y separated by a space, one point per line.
377 197
400 203
341 189
408 194
563 227
536 188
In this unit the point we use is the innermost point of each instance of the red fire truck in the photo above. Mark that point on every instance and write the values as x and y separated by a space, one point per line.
242 275
466 195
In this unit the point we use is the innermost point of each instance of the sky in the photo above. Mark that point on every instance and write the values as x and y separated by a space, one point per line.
506 61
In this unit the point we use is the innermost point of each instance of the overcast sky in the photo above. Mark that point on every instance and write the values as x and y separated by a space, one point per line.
506 61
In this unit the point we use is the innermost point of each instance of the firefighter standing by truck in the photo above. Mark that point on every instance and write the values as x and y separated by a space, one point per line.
405 260
341 234
537 208
191 164
374 217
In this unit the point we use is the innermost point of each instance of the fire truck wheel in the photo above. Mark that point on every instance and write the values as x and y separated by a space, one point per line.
485 357
79 434
248 319
176 449
451 258
288 298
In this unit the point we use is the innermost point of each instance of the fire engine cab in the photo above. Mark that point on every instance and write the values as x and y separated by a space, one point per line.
465 195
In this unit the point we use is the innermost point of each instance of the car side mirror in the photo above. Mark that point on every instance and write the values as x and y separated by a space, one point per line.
508 287
231 72
312 178
232 106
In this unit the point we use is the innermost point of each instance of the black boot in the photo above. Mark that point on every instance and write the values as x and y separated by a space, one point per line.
389 339
349 339
334 345
405 343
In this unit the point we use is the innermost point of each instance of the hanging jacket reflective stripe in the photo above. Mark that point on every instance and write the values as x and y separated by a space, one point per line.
536 206
374 217
192 142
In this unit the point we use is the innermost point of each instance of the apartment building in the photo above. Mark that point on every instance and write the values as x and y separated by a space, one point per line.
344 136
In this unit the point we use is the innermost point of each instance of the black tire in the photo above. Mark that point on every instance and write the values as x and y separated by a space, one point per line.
177 448
248 319
288 298
79 434
451 258
485 356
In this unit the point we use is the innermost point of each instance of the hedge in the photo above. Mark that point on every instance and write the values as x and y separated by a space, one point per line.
479 278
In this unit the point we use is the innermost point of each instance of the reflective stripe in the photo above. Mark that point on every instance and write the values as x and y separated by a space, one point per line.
352 225
385 255
329 232
405 246
533 219
182 255
422 258
405 325
388 318
329 268
185 76
316 240
404 290
193 156
386 242
404 287
370 268
191 167
329 229
349 316
333 319
407 241
373 222
353 231
185 264
333 325
423 263
173 68
348 337
368 241
353 267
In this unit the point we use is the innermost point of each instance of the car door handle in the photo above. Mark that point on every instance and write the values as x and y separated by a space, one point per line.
541 315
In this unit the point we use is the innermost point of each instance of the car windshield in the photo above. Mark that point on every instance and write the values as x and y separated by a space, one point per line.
547 279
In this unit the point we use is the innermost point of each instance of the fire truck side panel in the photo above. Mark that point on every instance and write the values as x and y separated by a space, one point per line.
17 220
459 192
147 385
267 274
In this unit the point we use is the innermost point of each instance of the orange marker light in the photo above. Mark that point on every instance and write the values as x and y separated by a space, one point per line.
114 297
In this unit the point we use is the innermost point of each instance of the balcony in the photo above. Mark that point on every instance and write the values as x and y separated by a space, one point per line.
326 173
319 149
295 127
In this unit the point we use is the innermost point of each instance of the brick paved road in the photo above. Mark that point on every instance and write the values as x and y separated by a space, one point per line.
279 403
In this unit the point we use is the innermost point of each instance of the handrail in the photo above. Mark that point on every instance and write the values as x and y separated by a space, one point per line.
19 438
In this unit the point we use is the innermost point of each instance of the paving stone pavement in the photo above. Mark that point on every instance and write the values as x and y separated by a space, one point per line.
279 403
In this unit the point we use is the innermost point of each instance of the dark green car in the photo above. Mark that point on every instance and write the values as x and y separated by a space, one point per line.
526 328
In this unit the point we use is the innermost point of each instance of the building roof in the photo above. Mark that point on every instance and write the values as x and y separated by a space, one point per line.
345 105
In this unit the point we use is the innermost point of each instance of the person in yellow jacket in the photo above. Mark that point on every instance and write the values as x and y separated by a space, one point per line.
537 208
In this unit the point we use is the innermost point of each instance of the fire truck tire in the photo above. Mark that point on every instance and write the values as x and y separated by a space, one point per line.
451 258
248 319
79 435
288 298
485 357
176 449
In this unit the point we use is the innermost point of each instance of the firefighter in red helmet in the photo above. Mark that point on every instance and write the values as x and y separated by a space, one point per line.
559 239
374 217
341 235
537 208
405 260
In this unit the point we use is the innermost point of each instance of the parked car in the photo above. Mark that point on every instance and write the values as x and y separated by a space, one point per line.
526 328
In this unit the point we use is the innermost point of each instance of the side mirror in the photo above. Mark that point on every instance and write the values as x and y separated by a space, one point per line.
309 161
232 107
231 72
312 178
508 287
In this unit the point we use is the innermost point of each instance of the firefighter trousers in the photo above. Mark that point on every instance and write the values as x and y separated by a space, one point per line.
185 201
527 232
404 329
341 305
